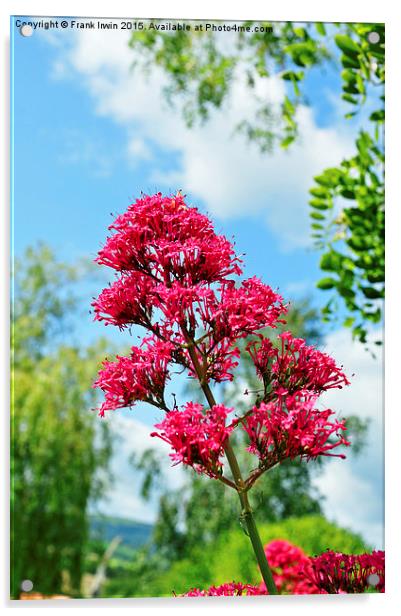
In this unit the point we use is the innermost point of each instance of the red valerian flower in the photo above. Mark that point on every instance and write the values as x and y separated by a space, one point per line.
197 437
289 566
336 573
141 376
290 427
295 573
246 309
230 589
294 365
130 300
163 237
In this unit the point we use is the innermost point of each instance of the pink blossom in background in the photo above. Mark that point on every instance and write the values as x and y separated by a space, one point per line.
289 566
231 589
336 573
295 573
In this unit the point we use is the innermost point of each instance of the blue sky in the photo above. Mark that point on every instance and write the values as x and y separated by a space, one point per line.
90 135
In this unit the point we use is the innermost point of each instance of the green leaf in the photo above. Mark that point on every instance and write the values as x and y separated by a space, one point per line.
326 284
318 204
317 216
287 141
320 28
372 293
288 106
348 194
377 116
292 76
319 191
347 45
349 99
350 62
331 262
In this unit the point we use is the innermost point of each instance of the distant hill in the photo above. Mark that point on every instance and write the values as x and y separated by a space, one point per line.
133 534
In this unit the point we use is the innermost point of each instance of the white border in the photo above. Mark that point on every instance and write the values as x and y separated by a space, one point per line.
340 10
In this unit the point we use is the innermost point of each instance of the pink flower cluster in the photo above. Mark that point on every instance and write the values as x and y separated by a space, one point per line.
164 238
295 573
130 300
231 589
289 567
141 376
336 573
294 366
197 437
174 280
291 427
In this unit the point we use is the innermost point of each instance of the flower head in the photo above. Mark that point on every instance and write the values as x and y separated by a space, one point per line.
163 237
294 366
230 589
197 437
130 300
289 564
291 427
141 376
336 573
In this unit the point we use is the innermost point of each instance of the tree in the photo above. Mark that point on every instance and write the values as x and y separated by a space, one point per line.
347 201
59 455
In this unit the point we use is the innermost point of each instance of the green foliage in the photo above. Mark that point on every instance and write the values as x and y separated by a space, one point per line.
58 451
201 74
353 239
230 556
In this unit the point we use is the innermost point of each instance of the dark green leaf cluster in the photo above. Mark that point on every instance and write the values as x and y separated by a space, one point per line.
352 237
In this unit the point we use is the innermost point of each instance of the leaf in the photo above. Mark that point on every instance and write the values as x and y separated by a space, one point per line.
377 116
350 62
320 28
347 45
318 204
372 293
330 262
287 141
319 191
349 99
288 106
317 216
326 284
348 194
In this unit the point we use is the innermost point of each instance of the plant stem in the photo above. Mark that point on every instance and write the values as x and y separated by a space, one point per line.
246 513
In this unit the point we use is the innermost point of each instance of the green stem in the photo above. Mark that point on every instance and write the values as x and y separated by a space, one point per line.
246 513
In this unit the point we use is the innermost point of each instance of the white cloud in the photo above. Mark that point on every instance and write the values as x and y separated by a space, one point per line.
364 397
123 499
351 501
354 487
219 167
138 150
